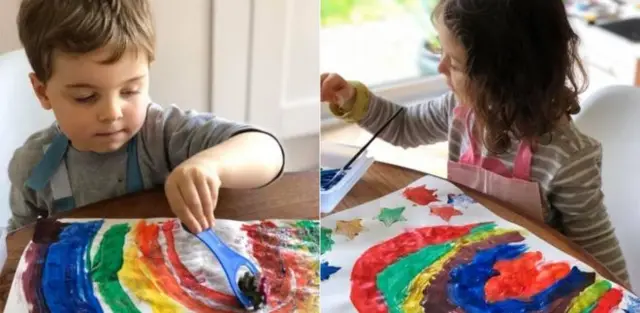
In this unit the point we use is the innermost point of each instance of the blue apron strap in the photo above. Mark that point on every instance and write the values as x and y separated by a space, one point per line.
134 175
52 169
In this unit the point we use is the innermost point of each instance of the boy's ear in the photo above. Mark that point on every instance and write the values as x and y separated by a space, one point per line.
39 88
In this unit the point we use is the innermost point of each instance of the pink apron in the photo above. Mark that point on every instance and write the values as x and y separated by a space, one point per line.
490 176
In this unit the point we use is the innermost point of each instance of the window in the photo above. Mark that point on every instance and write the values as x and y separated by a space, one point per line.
386 44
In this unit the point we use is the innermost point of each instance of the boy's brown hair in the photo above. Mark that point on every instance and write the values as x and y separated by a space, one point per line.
82 26
522 65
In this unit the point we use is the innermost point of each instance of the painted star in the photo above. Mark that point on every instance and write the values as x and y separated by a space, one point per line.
445 212
390 216
350 228
327 270
326 243
460 200
420 195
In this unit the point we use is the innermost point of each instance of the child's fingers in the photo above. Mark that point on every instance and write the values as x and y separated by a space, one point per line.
191 199
213 189
181 210
205 198
329 86
323 76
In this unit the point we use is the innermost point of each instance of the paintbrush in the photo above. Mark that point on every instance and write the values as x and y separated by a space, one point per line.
342 170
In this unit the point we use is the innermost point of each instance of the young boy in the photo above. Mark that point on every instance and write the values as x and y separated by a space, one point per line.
91 64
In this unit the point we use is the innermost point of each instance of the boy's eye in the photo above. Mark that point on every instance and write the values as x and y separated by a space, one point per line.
86 99
130 92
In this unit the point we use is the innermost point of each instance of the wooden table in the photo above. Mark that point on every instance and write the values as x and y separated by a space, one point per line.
382 179
293 196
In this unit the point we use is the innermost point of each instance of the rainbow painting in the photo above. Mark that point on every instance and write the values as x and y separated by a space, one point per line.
156 266
430 248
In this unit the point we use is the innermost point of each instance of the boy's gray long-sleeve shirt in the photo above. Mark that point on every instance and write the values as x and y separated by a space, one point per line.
167 138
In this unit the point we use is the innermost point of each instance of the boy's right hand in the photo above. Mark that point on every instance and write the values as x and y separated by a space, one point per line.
336 90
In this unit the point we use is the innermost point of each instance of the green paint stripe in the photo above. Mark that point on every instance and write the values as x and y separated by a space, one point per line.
326 242
394 280
589 297
106 264
483 228
310 235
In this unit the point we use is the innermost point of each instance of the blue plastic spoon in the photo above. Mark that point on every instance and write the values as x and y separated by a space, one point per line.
231 262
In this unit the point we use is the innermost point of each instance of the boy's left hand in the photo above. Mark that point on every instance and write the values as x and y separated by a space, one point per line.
192 192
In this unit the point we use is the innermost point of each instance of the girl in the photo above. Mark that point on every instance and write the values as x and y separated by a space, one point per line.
511 68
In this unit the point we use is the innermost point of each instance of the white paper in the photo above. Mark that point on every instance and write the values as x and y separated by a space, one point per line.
336 290
193 254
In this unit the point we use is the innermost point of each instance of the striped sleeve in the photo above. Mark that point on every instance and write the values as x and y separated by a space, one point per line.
424 123
576 192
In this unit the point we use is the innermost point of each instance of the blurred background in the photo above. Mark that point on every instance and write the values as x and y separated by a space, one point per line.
246 60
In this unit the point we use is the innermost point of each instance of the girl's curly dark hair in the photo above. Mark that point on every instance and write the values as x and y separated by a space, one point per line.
522 57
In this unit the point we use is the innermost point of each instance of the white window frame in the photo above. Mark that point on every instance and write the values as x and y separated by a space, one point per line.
251 39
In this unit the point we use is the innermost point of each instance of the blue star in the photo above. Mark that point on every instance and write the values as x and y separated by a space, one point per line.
327 270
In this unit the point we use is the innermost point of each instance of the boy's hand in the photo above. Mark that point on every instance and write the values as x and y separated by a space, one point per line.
192 192
336 90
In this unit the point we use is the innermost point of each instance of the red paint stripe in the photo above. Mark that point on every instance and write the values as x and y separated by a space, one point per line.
152 257
364 294
609 301
184 275
267 245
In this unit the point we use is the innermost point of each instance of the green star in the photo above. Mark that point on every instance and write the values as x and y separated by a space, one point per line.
390 216
325 240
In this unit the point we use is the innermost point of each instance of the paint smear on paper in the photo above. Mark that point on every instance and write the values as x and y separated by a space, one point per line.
393 281
445 212
522 277
134 276
350 228
420 282
186 278
65 271
420 195
589 296
391 216
106 264
282 269
364 294
326 242
609 301
460 200
327 270
153 259
435 296
468 280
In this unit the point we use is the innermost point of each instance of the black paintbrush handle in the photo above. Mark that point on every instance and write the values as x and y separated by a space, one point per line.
375 135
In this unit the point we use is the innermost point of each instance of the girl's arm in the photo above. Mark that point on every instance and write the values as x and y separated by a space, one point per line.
424 123
577 194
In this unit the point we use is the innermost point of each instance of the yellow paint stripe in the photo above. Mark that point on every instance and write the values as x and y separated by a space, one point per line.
137 278
422 281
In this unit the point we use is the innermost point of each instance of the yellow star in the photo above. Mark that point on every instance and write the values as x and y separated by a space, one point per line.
350 228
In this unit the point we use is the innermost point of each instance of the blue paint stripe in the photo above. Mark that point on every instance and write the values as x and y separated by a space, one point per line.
66 282
466 287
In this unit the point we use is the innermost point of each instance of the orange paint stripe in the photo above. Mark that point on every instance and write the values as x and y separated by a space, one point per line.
152 257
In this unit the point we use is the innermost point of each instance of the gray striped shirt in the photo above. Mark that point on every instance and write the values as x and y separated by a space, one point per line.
567 167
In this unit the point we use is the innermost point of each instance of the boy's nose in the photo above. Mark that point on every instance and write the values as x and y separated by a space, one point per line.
110 111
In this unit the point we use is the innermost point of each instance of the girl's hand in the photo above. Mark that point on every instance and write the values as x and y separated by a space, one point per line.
192 192
336 90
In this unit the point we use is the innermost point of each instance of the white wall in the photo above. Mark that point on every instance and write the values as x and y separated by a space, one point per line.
219 56
237 84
